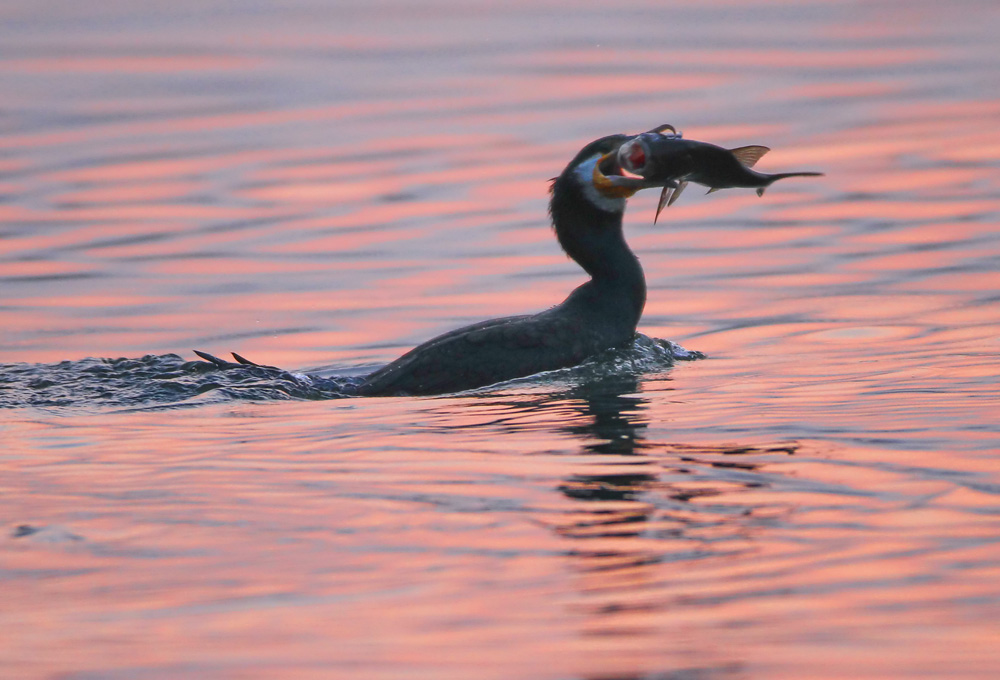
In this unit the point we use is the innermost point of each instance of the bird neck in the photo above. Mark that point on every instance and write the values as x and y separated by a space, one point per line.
594 239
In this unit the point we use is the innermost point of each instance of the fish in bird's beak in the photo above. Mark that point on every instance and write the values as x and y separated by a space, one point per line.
662 157
613 176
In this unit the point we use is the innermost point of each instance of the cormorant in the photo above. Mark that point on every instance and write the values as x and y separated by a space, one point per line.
586 207
587 204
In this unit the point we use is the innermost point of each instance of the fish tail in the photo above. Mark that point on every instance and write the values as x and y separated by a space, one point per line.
783 175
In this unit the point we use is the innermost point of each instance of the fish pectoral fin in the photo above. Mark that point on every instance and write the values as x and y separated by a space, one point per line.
664 198
712 190
677 193
671 192
749 155
760 191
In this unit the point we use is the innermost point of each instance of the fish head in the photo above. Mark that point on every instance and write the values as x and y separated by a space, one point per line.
660 155
607 165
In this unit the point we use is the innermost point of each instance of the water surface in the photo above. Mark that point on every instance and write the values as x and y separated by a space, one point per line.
320 186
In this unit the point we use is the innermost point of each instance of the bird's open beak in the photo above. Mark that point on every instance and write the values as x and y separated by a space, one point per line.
610 181
618 174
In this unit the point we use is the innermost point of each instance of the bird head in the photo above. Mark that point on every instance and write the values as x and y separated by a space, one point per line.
609 170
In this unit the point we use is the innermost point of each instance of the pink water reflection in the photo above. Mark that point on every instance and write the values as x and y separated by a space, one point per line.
611 581
324 187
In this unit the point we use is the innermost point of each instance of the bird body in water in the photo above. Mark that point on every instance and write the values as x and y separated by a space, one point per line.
587 206
598 315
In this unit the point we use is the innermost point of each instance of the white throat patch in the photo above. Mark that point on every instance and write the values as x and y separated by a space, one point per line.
584 176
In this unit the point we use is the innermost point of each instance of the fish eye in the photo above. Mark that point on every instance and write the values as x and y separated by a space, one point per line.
632 156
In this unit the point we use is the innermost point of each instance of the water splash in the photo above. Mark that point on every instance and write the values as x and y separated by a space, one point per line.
151 380
169 380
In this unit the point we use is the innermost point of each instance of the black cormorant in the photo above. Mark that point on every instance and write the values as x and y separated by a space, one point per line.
586 207
587 204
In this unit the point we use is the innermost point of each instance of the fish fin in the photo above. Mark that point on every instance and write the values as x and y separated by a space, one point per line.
677 193
783 175
771 179
660 129
749 155
664 198
712 190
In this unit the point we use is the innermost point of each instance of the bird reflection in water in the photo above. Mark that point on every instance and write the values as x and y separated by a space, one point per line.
648 510
633 486
614 423
639 520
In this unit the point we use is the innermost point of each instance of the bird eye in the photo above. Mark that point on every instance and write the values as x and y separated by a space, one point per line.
632 156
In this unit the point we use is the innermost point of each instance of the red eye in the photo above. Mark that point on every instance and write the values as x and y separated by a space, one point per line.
636 156
632 157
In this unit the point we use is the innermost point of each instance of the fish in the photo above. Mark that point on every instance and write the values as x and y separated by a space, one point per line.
663 155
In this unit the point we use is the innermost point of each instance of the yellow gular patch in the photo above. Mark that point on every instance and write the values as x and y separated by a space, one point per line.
605 186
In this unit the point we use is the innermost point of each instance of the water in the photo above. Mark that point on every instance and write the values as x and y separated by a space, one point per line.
321 186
